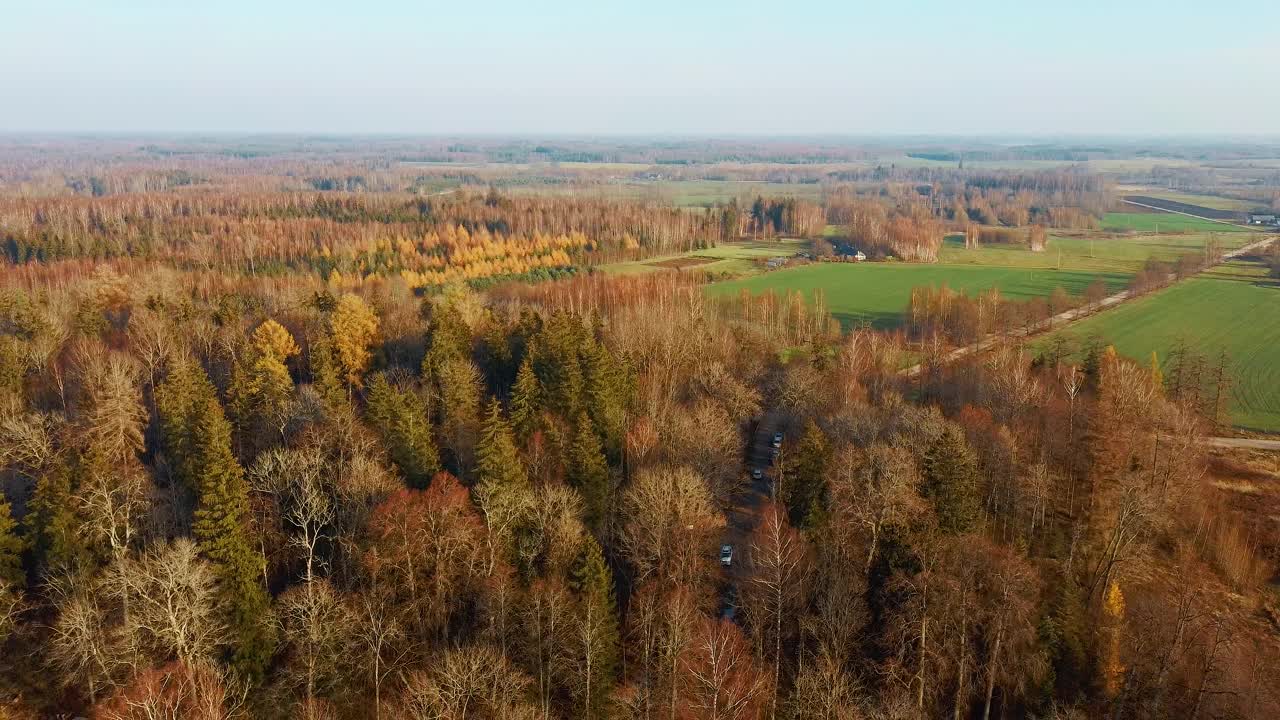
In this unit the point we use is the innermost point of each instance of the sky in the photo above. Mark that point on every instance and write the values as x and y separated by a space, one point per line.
684 67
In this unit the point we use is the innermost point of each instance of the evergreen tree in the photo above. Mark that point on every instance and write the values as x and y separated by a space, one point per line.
589 472
449 335
951 481
326 374
402 418
526 402
11 547
56 526
558 365
1063 634
606 391
497 462
596 637
184 391
222 512
261 389
805 490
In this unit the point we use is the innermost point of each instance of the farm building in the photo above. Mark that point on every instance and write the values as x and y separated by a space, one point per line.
1263 219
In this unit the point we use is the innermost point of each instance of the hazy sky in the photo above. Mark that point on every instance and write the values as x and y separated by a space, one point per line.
649 66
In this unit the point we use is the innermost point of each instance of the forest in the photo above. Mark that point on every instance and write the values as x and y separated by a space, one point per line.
278 452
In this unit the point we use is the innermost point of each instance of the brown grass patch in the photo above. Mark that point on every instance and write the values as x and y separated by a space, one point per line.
683 262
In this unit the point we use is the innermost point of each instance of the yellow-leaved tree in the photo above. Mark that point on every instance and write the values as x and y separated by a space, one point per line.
355 329
1112 623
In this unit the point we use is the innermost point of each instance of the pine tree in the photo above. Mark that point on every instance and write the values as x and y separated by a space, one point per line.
11 547
497 462
589 472
526 402
596 637
402 418
222 512
951 481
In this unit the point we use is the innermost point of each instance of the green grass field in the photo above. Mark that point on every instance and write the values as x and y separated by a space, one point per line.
1233 307
878 293
1165 222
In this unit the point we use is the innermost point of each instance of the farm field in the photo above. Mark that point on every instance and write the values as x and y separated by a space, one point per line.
1217 202
878 293
1110 254
1235 307
682 193
1171 222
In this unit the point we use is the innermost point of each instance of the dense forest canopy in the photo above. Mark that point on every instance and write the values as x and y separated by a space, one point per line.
283 451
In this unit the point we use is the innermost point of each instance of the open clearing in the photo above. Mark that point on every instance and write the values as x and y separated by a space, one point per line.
736 258
1235 307
878 293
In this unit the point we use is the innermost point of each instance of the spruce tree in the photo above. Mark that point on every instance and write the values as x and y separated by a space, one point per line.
402 418
596 638
805 490
179 397
326 373
559 366
606 395
497 462
526 402
951 481
56 525
222 513
11 547
589 472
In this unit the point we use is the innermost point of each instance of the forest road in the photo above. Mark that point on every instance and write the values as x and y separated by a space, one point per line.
743 515
1246 443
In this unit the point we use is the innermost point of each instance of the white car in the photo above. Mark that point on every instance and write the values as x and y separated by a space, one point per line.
777 440
726 555
757 474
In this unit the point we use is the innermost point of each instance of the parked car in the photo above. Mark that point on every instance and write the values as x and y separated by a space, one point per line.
726 555
776 452
777 440
757 474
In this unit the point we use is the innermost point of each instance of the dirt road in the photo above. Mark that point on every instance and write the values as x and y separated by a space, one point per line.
743 516
1248 443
